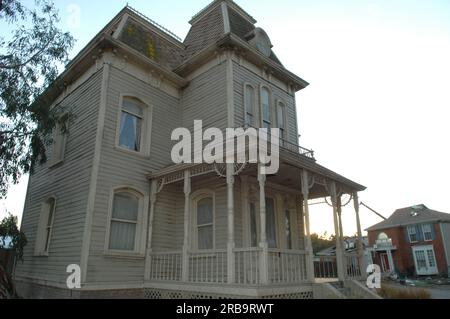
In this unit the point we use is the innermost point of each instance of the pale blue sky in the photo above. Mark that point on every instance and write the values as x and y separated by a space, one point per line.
377 109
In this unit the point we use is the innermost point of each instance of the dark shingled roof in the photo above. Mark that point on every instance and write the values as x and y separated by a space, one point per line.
411 215
204 32
208 27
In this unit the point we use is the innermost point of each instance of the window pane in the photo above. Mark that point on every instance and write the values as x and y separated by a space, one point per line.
249 99
59 140
420 258
265 101
280 116
205 211
122 236
430 256
133 106
130 132
51 208
270 223
125 206
253 231
205 237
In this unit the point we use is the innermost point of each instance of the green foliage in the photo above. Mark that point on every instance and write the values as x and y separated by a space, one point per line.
320 242
29 63
10 231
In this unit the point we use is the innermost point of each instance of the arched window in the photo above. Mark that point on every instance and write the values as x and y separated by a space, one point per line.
249 105
265 108
126 209
45 227
131 124
205 222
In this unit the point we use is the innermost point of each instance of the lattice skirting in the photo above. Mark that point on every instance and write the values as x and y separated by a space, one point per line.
153 293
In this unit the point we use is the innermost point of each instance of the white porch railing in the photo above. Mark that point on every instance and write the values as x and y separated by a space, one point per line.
208 266
287 266
165 266
247 265
352 266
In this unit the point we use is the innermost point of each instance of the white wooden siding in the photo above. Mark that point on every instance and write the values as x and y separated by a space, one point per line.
69 183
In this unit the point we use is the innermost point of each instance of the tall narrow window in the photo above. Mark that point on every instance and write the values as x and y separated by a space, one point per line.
427 235
131 120
45 227
287 228
271 223
265 108
124 219
249 105
59 145
281 122
253 229
412 234
49 227
205 223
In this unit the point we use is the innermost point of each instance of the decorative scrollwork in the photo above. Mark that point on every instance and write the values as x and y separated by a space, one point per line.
221 168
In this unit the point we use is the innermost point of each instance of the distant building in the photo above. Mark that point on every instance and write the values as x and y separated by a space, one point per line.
412 241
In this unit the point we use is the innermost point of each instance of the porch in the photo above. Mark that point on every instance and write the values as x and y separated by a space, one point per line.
260 237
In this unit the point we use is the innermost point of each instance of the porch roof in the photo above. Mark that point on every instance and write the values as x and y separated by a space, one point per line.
297 161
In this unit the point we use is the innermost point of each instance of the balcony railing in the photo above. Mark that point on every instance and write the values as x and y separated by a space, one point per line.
292 147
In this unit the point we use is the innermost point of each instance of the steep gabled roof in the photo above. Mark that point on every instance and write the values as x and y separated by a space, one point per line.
411 215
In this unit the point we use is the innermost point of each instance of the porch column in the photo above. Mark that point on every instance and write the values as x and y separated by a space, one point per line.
187 205
307 229
264 259
339 250
390 260
148 252
230 208
361 258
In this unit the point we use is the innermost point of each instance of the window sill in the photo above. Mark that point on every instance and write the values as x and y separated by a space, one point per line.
55 164
123 255
133 153
42 254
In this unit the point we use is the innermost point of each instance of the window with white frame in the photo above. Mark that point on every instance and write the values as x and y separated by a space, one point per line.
131 124
45 227
426 229
265 108
59 144
249 105
123 228
205 222
281 121
412 233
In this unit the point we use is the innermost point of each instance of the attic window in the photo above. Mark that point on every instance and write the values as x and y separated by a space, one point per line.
261 42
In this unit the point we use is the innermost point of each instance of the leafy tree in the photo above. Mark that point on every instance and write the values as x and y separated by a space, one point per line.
11 237
29 63
320 242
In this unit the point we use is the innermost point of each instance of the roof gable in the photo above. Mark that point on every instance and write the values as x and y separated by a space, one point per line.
417 214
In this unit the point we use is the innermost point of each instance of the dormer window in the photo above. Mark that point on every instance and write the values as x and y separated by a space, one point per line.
261 42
